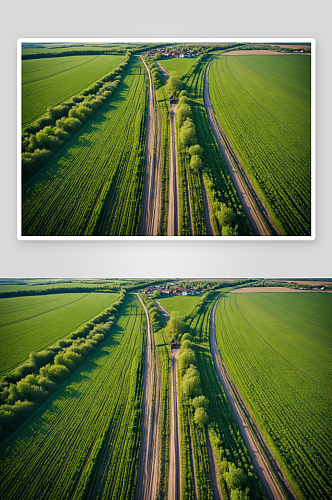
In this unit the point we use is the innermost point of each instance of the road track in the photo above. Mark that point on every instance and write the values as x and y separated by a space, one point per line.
173 204
174 485
253 207
263 468
151 192
148 468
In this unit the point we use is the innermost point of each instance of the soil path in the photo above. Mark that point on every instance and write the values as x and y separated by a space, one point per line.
151 192
257 214
266 473
173 210
163 312
148 468
207 210
217 495
174 484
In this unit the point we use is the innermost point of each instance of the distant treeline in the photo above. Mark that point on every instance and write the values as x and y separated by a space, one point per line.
28 386
99 288
87 51
44 138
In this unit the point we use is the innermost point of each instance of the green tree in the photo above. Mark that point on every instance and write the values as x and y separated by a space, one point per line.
188 133
156 293
196 163
186 358
200 402
196 150
174 84
201 418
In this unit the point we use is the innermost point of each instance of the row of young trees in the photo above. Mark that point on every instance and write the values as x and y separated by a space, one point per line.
45 137
29 385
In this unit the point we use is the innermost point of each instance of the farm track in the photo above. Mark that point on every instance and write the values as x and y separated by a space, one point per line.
257 214
59 72
217 495
151 193
207 210
148 469
173 210
269 472
174 486
44 312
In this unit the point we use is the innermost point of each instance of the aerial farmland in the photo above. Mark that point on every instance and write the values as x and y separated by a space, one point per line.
166 140
165 389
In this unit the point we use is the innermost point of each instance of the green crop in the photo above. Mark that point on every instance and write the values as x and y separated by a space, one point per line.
277 348
182 305
94 186
32 323
180 66
84 442
263 105
49 82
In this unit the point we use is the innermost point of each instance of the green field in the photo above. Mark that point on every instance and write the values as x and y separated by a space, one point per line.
94 186
182 305
40 286
84 442
224 435
278 350
31 323
48 82
262 103
179 65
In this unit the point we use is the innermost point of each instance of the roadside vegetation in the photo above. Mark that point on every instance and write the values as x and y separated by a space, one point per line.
277 350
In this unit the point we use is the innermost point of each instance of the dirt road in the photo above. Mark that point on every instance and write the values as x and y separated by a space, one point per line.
173 204
148 468
207 210
217 495
174 484
163 312
257 214
151 192
263 467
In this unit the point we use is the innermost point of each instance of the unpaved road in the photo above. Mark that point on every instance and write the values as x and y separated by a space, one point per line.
207 210
163 312
151 192
148 468
217 495
257 214
174 484
173 204
263 468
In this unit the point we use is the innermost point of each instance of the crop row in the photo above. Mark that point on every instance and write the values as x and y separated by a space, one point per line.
270 132
221 191
278 385
84 443
95 186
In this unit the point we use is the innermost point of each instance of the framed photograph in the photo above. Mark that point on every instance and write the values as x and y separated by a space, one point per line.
166 138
